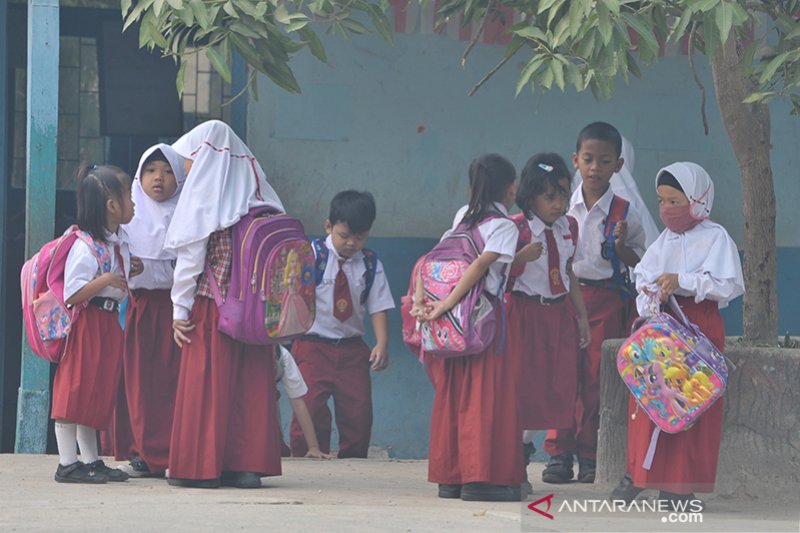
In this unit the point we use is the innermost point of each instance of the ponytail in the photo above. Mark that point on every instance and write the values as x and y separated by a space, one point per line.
490 176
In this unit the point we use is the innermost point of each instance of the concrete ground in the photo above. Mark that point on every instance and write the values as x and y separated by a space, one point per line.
339 495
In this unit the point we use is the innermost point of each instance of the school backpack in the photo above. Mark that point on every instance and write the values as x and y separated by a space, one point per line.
525 237
271 297
370 263
47 318
617 212
470 326
673 371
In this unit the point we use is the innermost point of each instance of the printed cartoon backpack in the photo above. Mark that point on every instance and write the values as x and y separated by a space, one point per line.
673 371
47 318
525 238
370 263
470 326
271 298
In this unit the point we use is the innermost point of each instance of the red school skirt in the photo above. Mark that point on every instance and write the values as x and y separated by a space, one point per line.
684 462
544 342
88 377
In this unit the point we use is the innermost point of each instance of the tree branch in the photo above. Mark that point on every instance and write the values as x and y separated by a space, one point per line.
477 36
697 79
489 75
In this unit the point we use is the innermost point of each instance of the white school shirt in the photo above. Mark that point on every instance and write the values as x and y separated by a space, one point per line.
535 279
291 377
499 236
189 264
589 264
705 258
157 274
380 296
82 267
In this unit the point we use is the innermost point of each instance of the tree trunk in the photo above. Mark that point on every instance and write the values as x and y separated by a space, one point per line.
748 127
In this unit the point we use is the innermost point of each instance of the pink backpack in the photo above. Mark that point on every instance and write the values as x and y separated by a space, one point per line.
47 318
470 326
673 371
272 297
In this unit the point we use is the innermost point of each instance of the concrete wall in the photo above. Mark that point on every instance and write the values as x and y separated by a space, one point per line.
397 121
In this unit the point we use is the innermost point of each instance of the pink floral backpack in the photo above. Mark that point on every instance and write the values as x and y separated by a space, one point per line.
470 326
47 318
673 370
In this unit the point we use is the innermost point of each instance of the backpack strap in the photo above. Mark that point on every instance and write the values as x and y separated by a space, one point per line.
525 236
617 212
371 264
321 254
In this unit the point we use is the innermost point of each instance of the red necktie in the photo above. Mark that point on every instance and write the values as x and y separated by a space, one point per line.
553 267
342 304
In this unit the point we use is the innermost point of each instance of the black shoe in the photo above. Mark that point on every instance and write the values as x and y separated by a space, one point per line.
484 492
682 503
625 490
450 491
113 474
528 449
194 483
137 467
558 470
242 480
586 470
78 472
525 490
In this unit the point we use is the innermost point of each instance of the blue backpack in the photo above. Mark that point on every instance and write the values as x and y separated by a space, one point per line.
370 262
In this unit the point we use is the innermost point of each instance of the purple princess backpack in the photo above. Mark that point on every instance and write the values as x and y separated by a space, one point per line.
673 371
272 297
470 326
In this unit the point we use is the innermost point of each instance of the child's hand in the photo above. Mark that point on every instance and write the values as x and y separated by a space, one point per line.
114 280
137 266
668 284
379 358
315 453
180 330
621 232
434 310
584 333
531 251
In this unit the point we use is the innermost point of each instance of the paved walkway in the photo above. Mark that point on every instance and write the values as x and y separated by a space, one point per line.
340 495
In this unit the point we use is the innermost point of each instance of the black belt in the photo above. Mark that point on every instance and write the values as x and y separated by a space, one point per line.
601 283
106 304
539 298
317 338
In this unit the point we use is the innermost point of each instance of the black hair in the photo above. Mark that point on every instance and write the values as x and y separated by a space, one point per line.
666 178
355 208
157 155
96 185
542 171
490 176
601 131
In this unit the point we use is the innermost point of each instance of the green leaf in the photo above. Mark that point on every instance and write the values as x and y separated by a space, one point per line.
125 6
134 15
757 97
219 63
612 6
702 6
710 34
560 32
544 5
179 79
353 26
381 23
244 30
175 4
527 72
776 63
641 28
314 44
514 46
157 6
554 9
294 26
683 23
531 32
230 10
604 23
558 73
724 19
546 79
200 13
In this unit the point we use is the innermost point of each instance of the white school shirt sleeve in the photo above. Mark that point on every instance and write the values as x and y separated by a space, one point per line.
380 295
637 238
82 267
500 236
157 274
188 267
292 379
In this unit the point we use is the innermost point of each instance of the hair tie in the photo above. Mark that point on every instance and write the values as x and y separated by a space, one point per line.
545 167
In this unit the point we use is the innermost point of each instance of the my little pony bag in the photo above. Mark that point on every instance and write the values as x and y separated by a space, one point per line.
470 326
673 371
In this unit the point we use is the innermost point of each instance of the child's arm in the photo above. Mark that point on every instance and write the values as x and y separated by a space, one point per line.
304 419
93 288
530 252
626 254
471 276
584 332
380 353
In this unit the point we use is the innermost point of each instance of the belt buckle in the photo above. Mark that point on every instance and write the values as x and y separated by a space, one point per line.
108 305
543 301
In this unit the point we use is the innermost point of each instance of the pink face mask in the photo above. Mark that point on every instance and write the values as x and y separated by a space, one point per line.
678 218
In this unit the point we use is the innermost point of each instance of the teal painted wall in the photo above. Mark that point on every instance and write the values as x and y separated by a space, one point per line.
397 121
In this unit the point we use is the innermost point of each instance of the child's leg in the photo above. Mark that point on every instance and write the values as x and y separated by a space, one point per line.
87 440
67 439
317 368
352 397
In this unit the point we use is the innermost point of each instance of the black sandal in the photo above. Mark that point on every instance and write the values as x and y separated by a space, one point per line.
78 472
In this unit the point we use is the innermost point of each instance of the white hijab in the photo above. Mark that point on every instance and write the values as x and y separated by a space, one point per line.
225 182
696 185
148 228
623 184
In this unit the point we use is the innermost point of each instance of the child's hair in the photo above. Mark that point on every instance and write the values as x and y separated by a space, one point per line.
157 155
601 131
666 178
96 185
355 208
542 171
490 175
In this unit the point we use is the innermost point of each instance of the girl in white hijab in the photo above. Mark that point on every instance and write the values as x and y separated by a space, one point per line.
151 359
225 429
696 260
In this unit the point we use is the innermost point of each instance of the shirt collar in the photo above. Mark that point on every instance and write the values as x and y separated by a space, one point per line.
604 203
502 208
538 226
335 254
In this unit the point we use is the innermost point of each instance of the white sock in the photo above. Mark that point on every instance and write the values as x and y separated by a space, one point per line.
66 437
87 440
